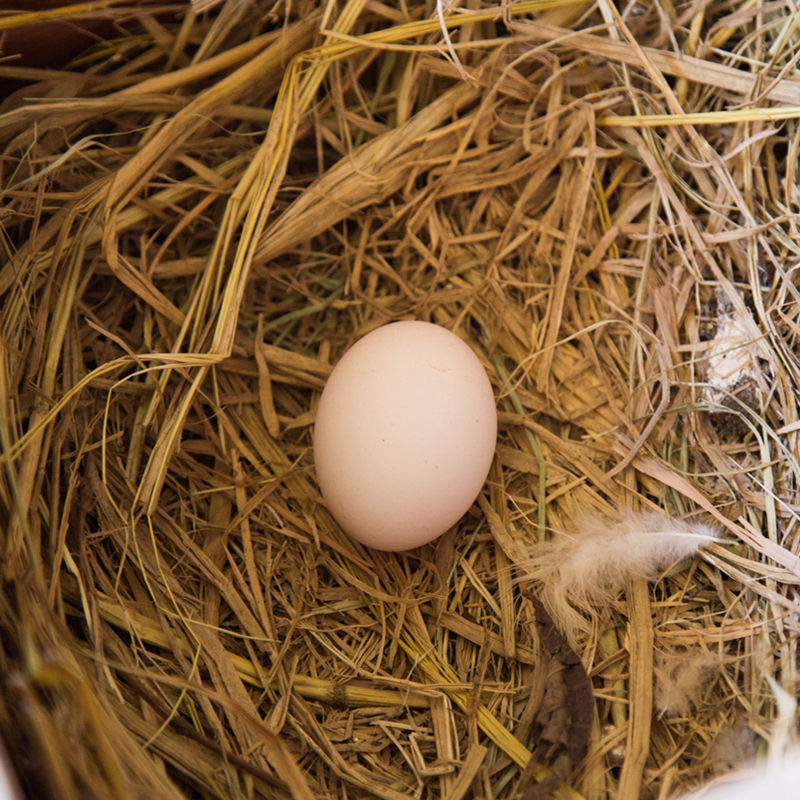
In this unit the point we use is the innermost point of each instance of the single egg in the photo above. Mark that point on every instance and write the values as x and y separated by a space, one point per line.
404 435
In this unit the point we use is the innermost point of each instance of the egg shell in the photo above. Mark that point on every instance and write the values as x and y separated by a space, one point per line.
404 435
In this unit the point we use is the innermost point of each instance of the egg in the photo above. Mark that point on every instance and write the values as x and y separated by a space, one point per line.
404 435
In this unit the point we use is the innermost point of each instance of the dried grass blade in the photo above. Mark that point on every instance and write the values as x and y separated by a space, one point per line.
195 72
420 649
691 68
265 383
469 769
576 215
360 178
138 283
147 629
640 694
739 115
146 161
414 30
285 765
75 11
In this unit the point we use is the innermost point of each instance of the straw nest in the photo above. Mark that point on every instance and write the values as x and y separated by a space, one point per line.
203 211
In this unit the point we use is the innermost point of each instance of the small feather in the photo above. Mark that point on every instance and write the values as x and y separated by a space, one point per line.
681 677
733 747
590 564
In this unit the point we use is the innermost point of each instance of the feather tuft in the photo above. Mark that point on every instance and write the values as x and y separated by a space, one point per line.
734 747
590 564
681 678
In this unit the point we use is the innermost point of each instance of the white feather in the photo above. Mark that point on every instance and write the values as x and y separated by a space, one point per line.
773 782
590 564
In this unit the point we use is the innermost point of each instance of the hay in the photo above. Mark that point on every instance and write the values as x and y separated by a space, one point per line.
202 213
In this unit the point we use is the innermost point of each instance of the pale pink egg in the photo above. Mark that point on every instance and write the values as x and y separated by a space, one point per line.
404 435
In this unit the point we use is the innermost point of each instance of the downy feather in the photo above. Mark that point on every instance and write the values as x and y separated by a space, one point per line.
681 677
591 563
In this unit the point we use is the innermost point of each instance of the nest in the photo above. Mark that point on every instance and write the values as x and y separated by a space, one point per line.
203 210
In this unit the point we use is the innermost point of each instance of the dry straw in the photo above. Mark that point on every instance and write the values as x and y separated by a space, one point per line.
202 212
